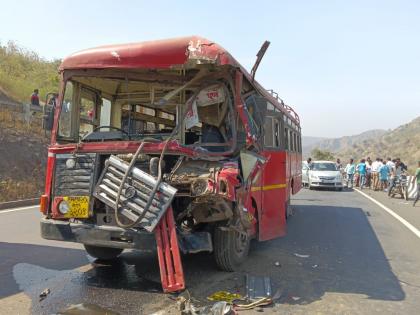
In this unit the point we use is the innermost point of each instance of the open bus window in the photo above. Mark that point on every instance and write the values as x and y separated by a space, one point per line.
65 122
87 112
210 119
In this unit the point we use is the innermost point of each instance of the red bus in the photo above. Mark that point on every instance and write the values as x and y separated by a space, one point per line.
170 145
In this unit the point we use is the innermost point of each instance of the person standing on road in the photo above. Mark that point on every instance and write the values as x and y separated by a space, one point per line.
383 175
361 168
350 170
391 166
417 177
309 162
35 98
368 180
375 173
395 173
339 166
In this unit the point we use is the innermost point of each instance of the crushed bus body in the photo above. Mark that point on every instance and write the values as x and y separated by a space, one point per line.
168 145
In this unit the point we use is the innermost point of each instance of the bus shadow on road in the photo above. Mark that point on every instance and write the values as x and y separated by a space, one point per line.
329 250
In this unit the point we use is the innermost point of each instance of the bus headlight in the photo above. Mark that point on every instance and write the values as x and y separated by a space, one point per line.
63 207
198 186
70 163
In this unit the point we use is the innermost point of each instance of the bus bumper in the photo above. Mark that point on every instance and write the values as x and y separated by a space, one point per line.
97 235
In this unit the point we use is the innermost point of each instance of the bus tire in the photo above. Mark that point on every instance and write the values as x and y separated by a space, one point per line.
103 253
230 248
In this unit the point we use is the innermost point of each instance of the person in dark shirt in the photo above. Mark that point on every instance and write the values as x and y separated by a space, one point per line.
35 98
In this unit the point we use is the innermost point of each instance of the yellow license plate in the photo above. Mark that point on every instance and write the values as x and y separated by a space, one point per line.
79 207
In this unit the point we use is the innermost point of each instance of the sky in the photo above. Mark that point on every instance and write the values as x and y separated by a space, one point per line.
344 66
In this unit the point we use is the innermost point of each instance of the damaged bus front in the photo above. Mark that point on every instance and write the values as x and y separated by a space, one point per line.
155 145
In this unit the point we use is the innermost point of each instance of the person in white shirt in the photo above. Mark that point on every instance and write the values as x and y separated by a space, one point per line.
391 167
375 173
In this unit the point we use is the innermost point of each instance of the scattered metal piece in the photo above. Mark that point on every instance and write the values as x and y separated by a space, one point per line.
258 287
44 294
301 256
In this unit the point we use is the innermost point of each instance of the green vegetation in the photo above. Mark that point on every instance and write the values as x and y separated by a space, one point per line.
22 71
320 155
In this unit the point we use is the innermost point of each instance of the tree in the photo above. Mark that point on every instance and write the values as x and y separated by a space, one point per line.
318 154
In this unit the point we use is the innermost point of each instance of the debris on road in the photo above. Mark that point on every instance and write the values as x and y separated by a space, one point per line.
296 298
258 287
277 264
260 302
44 294
301 256
224 296
315 266
218 308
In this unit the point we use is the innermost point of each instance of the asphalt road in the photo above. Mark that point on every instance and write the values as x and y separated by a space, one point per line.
343 255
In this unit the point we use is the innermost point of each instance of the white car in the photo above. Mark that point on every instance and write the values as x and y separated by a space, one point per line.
322 174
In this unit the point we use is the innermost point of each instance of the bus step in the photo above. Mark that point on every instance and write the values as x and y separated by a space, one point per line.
170 264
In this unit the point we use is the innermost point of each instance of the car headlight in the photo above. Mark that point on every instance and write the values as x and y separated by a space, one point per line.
63 207
314 176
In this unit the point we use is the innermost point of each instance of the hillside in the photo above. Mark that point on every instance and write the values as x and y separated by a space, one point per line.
22 70
339 144
402 142
23 147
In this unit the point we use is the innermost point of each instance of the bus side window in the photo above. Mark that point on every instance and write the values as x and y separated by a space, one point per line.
286 139
276 133
268 132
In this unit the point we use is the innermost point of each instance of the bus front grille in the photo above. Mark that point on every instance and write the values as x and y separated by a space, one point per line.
135 193
74 174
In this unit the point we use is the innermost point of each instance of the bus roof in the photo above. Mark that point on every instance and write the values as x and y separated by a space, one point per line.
164 54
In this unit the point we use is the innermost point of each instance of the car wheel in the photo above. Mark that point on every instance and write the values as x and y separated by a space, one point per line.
103 253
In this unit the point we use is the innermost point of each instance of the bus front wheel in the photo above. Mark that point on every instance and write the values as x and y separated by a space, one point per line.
231 248
103 253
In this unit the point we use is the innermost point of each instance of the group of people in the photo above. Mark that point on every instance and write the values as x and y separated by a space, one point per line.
378 175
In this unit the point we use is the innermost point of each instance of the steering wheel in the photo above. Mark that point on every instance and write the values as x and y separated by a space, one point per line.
110 127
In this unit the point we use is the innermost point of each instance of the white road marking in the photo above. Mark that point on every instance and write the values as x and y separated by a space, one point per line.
18 209
407 224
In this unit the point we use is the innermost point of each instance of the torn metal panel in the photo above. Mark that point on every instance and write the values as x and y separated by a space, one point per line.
258 287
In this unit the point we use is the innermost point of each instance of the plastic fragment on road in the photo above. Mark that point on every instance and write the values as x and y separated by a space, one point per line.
186 307
224 296
314 266
296 298
301 256
277 264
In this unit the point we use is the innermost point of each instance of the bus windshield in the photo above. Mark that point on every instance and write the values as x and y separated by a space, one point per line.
96 108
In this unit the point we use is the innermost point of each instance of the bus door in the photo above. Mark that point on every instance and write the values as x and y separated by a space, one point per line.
273 181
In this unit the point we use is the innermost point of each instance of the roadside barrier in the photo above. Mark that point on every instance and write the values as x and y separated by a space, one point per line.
18 203
412 188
